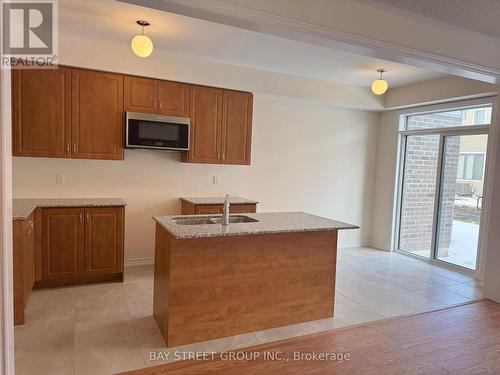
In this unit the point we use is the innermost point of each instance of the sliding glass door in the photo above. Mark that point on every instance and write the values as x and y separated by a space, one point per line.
461 195
443 167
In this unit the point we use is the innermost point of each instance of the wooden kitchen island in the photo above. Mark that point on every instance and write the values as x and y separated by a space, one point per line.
213 281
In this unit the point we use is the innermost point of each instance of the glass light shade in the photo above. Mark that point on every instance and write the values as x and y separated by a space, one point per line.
379 86
142 45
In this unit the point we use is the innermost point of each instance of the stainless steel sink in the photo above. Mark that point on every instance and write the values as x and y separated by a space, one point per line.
193 221
233 219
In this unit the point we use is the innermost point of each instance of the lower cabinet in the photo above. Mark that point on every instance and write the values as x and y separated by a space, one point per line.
103 240
209 209
63 243
81 245
23 265
216 209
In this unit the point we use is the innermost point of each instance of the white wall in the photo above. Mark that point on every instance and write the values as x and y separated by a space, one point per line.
304 158
385 186
436 91
116 56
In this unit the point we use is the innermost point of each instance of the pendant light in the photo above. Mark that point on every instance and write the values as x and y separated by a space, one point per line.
141 44
380 86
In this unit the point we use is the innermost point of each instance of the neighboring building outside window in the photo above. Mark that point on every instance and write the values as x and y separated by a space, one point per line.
480 117
470 167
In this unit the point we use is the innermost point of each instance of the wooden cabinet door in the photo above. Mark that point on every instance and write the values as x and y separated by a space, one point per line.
97 115
140 94
19 237
104 240
173 99
41 112
206 120
208 209
63 243
242 208
236 132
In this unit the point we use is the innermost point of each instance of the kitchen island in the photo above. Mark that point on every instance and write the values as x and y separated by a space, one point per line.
261 271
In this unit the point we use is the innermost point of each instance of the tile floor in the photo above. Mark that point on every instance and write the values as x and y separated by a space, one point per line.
108 328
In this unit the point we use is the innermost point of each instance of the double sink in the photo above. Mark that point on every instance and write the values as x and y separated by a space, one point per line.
233 219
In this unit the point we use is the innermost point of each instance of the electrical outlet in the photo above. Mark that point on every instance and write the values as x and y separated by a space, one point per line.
216 180
60 179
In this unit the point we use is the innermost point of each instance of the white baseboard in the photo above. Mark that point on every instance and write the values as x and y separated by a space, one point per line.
346 245
150 260
139 262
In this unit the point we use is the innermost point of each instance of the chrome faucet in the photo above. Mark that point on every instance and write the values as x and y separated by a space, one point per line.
225 211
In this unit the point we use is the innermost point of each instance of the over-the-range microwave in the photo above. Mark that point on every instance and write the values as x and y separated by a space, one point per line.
145 130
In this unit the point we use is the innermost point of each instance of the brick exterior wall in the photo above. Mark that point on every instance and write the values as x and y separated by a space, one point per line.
419 184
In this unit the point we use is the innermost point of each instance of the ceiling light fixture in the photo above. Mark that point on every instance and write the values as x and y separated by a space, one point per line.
380 86
142 45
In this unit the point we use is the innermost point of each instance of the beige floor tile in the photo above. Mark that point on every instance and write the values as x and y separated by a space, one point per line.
101 362
145 326
354 313
105 334
469 291
280 333
115 308
387 306
418 302
323 325
443 295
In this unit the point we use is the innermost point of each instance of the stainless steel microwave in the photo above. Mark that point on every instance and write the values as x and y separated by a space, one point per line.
145 130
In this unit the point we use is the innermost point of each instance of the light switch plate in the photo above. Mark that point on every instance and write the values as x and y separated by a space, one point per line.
216 180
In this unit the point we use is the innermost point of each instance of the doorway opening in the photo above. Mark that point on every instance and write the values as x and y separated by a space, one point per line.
442 184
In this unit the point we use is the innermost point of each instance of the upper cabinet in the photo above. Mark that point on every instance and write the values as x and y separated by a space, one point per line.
41 112
79 113
236 137
206 122
67 113
97 115
173 99
221 126
154 96
141 94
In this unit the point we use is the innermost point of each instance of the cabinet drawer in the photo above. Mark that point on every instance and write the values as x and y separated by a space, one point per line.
242 208
212 209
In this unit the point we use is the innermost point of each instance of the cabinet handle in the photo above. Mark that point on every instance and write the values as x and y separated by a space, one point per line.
74 147
68 148
154 105
223 154
81 218
88 218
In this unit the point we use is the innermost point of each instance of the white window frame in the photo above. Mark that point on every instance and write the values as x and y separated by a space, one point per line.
443 132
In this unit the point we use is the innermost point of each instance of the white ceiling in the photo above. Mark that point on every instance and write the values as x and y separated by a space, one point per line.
477 15
206 40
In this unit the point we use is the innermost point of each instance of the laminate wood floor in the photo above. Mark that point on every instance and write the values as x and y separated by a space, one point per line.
456 340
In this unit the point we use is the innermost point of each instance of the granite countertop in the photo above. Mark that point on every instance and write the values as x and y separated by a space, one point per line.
275 222
22 208
218 200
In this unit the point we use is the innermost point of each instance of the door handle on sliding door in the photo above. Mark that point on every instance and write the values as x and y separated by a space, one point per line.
477 203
